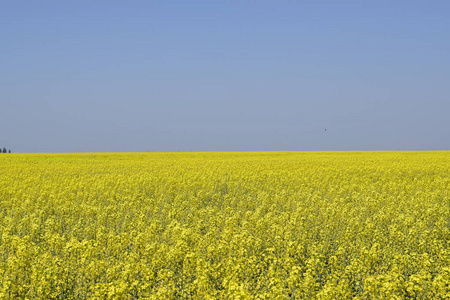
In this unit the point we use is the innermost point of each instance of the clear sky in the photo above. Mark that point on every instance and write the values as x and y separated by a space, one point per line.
84 76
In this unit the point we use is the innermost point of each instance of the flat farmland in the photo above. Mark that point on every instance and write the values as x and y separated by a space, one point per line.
225 225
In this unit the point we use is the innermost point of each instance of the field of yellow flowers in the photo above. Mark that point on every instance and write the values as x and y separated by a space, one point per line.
244 225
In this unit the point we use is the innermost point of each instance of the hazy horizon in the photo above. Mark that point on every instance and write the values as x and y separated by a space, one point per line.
197 76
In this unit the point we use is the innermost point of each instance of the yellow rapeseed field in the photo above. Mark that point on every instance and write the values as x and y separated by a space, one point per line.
255 225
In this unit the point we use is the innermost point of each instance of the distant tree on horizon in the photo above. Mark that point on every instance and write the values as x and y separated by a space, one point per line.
4 150
9 151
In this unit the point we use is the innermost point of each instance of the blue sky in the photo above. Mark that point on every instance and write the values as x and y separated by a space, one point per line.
86 76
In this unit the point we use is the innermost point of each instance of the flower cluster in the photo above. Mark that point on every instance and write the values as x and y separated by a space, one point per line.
263 225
